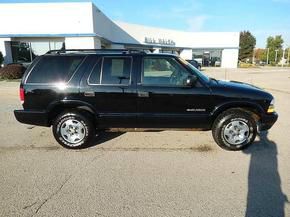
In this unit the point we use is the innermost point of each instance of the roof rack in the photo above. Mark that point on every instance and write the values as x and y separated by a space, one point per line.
122 51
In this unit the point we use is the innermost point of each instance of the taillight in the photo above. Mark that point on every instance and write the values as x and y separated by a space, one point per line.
21 95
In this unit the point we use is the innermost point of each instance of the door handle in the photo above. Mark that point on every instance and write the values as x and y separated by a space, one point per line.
89 94
143 94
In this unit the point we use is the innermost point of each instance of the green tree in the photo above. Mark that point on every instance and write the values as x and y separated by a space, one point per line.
247 45
275 44
260 55
1 59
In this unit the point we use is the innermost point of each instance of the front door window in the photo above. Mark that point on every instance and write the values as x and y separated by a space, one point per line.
163 72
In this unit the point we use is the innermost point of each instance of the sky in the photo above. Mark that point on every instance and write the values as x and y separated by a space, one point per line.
262 18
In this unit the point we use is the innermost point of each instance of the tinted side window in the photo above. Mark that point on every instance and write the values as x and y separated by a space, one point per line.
96 73
116 70
163 71
51 69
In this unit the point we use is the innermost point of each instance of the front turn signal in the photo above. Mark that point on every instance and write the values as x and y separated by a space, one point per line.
271 108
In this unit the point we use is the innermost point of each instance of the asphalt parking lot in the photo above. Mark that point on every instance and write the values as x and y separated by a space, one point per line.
164 173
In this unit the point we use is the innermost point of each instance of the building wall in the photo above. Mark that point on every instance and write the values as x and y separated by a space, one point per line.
181 38
226 41
83 25
105 27
5 50
38 39
82 43
186 54
117 46
46 18
230 58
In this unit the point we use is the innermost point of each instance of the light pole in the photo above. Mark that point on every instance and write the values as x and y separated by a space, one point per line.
283 59
288 55
268 56
253 60
276 55
288 59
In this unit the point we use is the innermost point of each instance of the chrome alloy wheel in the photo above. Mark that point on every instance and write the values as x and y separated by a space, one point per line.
236 132
72 131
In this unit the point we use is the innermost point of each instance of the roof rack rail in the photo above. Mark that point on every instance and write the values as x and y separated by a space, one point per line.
123 51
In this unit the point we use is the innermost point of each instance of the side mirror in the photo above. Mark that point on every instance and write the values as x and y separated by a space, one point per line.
190 81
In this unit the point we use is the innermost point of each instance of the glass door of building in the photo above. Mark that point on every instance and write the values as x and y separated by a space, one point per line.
208 57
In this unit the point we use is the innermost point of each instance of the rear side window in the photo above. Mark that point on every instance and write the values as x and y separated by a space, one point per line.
53 69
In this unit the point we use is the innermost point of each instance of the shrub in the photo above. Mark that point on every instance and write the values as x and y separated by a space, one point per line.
13 71
247 65
1 59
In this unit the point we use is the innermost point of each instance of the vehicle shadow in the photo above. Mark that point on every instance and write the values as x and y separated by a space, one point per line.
103 137
265 196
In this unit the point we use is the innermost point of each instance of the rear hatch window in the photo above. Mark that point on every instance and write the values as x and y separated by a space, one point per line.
54 69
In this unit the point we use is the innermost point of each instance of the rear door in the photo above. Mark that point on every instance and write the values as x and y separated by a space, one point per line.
111 88
164 101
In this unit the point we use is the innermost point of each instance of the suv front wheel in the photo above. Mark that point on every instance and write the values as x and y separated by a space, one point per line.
234 130
73 130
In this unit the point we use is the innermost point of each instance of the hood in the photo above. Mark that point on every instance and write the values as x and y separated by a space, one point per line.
242 90
238 84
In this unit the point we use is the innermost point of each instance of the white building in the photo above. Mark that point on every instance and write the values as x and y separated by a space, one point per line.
31 29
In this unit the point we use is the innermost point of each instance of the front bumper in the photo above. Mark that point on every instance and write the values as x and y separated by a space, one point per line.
39 118
267 121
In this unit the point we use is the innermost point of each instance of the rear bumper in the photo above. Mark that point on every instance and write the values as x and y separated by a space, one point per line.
39 118
267 121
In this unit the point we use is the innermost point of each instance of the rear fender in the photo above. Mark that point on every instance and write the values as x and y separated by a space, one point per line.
57 107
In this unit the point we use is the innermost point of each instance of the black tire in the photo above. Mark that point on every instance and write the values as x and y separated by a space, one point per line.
79 120
223 122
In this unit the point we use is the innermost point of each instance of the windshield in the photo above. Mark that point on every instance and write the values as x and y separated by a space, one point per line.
203 76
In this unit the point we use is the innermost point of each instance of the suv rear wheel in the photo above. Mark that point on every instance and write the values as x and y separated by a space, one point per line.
234 130
73 130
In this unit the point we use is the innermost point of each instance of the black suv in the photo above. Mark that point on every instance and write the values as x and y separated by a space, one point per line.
82 92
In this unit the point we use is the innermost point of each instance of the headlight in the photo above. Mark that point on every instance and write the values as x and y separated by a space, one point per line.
271 108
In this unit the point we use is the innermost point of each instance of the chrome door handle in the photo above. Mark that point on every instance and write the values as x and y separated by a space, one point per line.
89 94
143 94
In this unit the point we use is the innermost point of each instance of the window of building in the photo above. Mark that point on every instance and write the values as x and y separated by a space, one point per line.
163 71
208 57
21 52
26 52
116 70
39 48
54 69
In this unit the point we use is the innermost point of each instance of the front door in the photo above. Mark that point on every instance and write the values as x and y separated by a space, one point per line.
165 101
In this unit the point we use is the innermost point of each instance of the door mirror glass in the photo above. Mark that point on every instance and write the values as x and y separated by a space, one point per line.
190 81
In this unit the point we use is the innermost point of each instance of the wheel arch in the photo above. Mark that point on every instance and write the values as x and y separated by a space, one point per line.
56 108
254 109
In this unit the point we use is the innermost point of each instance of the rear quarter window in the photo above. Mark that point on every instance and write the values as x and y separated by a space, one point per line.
54 69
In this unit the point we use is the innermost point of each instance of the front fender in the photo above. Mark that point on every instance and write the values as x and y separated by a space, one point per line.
237 104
